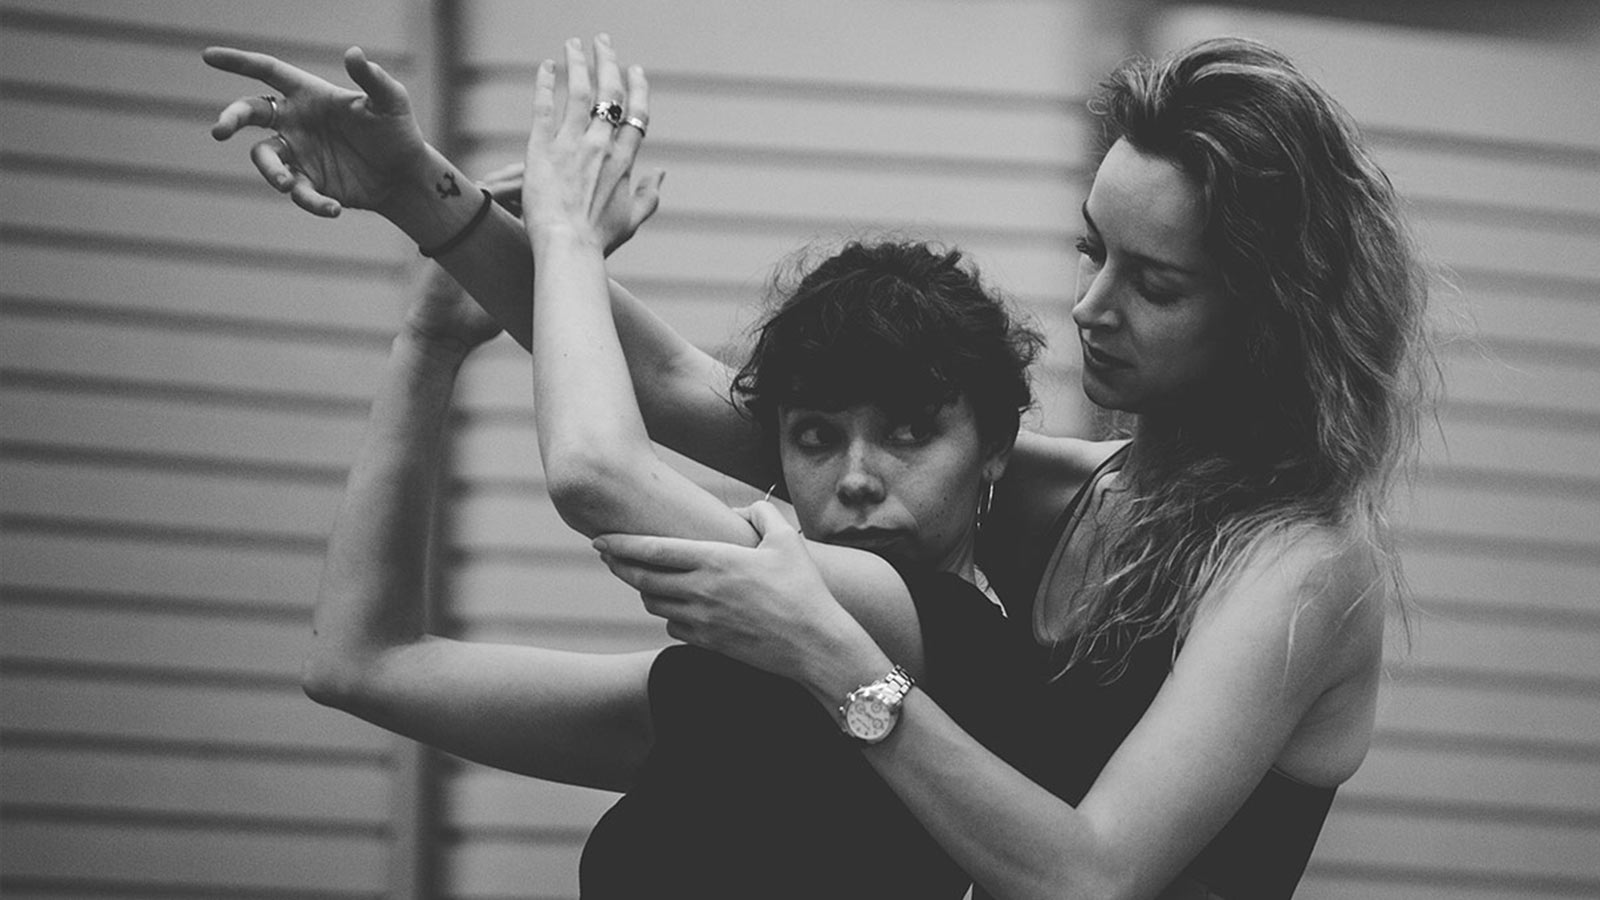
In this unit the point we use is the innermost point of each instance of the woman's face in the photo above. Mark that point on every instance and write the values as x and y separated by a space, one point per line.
1150 312
905 488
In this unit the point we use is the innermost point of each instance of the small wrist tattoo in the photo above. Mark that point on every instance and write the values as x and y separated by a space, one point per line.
453 190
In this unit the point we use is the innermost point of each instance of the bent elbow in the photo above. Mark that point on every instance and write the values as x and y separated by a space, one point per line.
326 680
337 674
591 492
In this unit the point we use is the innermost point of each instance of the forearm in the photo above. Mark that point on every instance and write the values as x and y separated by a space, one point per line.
585 412
681 390
1031 843
373 590
433 203
602 470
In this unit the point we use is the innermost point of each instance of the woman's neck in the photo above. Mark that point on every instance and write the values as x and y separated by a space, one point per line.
961 558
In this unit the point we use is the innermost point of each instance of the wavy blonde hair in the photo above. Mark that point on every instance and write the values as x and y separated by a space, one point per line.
1334 369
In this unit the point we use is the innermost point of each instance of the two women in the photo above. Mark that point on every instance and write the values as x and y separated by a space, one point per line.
1206 599
890 385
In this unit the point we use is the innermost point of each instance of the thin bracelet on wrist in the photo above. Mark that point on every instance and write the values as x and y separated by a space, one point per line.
466 230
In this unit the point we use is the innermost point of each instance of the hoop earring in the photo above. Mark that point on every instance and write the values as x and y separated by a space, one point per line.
985 503
768 495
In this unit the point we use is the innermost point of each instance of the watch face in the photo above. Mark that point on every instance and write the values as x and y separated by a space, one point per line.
868 717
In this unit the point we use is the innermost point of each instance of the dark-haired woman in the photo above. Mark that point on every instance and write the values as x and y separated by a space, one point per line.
891 383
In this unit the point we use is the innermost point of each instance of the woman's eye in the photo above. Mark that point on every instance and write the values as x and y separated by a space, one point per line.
811 436
1158 296
910 433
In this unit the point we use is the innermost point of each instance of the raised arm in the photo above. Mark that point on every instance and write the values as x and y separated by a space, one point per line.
602 469
572 717
363 149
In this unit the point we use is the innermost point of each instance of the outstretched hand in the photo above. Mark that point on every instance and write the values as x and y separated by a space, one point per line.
330 147
578 173
766 606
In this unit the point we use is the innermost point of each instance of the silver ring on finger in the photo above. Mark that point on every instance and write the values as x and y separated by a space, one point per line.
636 122
288 151
610 110
272 111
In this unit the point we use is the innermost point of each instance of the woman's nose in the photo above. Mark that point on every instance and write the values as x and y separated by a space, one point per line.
859 484
1096 309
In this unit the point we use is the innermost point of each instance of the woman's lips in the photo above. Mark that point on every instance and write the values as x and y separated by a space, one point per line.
866 538
1099 359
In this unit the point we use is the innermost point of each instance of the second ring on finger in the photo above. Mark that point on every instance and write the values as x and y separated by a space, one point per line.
636 122
609 110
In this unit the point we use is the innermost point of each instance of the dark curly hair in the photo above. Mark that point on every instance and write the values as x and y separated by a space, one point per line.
904 326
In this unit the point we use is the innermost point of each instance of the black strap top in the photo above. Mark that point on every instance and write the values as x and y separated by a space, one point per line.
750 789
1262 852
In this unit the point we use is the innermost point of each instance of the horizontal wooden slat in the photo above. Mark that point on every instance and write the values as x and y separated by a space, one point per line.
1460 176
1525 385
1403 775
102 781
148 639
1503 512
138 138
1517 249
1441 576
251 222
141 354
171 73
209 859
1556 651
377 24
940 45
1468 713
1500 314
1491 447
1471 87
133 569
1046 133
221 717
476 797
200 501
180 430
1498 850
202 289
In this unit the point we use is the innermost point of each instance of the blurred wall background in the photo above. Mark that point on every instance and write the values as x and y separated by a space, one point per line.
185 362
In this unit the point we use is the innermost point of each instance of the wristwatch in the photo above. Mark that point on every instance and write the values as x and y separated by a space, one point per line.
870 712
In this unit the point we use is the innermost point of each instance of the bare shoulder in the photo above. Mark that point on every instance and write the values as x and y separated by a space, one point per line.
1322 591
1298 628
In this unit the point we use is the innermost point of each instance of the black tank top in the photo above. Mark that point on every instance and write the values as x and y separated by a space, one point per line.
750 789
1262 852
